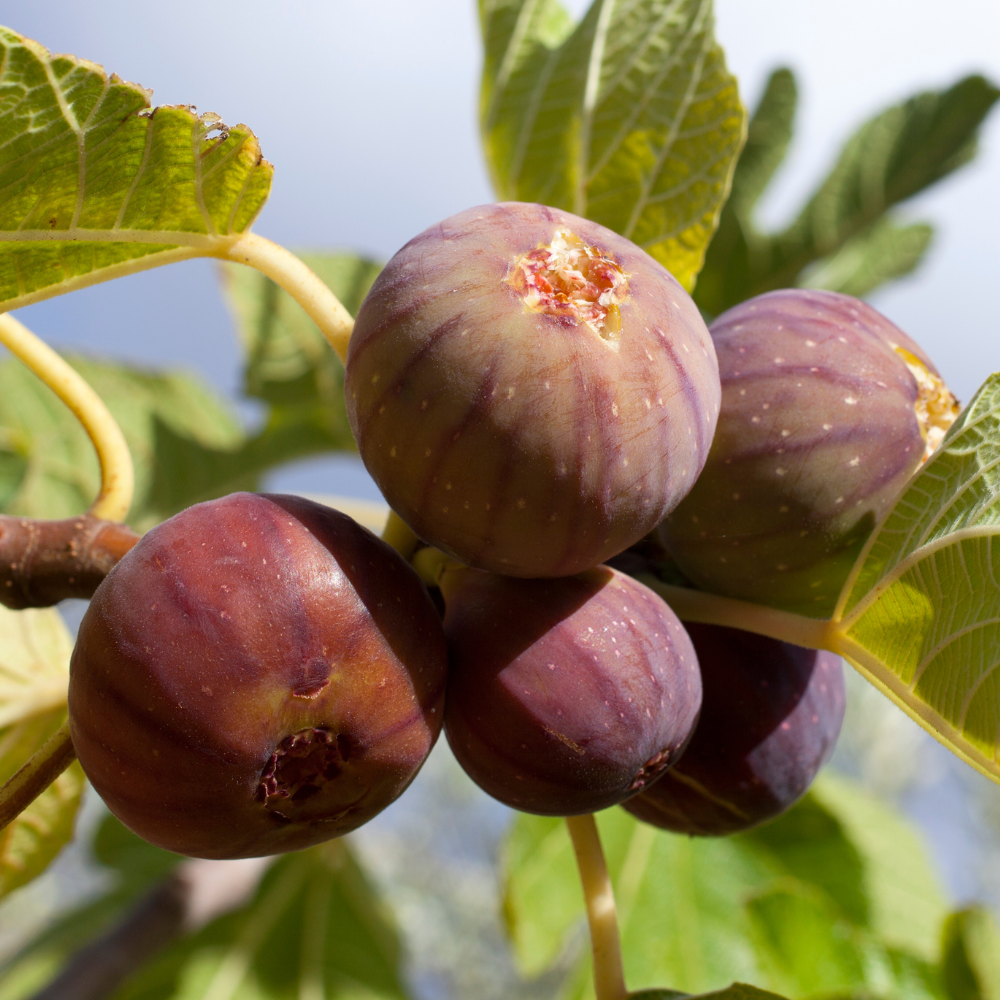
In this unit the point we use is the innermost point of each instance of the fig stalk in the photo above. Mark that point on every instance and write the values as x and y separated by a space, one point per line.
117 473
609 976
291 274
712 609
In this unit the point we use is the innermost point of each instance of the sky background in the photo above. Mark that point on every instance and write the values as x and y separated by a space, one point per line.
368 111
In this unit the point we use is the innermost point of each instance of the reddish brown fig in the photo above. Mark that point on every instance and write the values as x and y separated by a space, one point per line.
770 717
827 410
531 392
565 696
258 674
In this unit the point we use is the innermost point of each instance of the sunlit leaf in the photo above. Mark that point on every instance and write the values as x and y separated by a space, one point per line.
630 118
920 614
96 184
314 929
34 673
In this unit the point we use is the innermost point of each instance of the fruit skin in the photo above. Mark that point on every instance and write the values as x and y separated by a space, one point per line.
230 628
516 440
770 717
565 696
817 436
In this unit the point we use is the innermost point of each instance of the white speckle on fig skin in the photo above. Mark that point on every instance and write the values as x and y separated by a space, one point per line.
557 442
841 361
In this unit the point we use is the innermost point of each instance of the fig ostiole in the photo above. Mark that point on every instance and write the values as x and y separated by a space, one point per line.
532 392
258 674
827 410
565 696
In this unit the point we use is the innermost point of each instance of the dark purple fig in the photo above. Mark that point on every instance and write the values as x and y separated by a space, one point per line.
531 392
258 674
827 410
770 717
565 696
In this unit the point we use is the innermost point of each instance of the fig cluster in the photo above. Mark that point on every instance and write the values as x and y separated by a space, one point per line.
535 396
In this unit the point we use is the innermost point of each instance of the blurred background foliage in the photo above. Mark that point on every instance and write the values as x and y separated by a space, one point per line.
835 899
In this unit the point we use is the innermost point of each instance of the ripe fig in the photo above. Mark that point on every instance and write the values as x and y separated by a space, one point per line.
770 717
257 675
827 410
531 392
565 696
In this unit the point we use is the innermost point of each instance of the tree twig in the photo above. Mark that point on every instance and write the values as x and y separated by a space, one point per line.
44 562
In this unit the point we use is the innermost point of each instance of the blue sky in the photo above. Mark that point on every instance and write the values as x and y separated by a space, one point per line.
368 113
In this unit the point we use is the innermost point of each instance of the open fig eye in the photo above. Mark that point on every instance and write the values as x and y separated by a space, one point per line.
532 392
257 675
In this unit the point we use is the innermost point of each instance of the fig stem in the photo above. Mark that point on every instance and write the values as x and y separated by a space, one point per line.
55 755
609 976
117 473
712 609
400 536
300 281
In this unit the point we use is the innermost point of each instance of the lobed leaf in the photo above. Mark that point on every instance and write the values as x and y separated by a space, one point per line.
35 648
630 118
845 237
697 913
97 184
919 615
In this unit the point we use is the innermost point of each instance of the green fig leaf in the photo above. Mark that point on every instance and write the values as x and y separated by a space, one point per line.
630 118
919 616
971 955
844 238
314 929
873 258
700 912
289 364
35 648
97 184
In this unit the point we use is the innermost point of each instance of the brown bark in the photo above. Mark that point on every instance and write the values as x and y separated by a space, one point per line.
44 562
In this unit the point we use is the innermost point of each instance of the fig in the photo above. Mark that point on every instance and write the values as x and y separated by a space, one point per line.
259 674
565 696
771 713
827 410
532 392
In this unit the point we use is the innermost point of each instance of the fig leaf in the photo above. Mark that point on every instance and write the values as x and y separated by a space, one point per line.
701 912
971 955
919 615
288 363
844 238
98 184
629 118
314 928
34 672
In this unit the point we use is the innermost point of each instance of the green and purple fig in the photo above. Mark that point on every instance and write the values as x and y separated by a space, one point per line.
827 410
257 675
770 717
565 696
531 392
